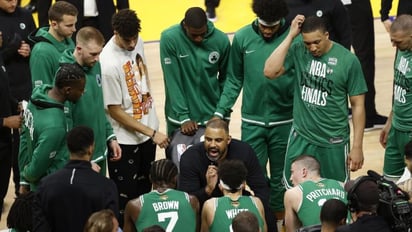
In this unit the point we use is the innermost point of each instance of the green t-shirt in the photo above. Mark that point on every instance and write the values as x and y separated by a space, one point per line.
170 209
402 95
314 195
321 98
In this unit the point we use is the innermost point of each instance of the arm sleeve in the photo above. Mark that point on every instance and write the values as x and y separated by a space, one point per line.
173 78
109 129
386 6
233 84
50 141
190 179
23 157
356 81
41 67
224 63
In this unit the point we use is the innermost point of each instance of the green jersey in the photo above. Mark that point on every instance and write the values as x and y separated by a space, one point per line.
314 194
45 55
226 209
170 209
320 112
402 94
264 102
194 74
43 139
89 109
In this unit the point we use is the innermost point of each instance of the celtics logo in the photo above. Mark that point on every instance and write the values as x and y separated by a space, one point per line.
214 57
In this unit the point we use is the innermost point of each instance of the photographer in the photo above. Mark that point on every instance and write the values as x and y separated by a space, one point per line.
363 201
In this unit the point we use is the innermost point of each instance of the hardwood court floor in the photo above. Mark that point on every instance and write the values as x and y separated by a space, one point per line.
373 151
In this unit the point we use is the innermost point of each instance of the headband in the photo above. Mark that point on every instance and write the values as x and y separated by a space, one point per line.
268 24
227 187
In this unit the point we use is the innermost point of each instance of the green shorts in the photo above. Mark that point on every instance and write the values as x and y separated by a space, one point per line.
332 159
394 162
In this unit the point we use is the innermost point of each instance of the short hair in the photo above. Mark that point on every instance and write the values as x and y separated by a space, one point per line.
309 162
20 214
270 10
126 23
195 17
218 124
233 173
60 8
87 34
314 23
68 74
333 211
245 222
154 228
79 139
408 150
100 221
163 171
402 23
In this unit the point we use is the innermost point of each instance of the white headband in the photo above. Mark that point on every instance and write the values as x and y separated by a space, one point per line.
227 187
268 24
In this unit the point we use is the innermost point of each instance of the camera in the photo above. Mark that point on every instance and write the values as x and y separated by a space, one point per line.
393 204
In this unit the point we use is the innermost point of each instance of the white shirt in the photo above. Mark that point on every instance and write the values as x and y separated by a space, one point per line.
90 8
121 84
405 176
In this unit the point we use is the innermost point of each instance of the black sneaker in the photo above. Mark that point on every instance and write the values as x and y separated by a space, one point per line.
377 122
211 14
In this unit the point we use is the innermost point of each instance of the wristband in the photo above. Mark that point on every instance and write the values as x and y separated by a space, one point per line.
153 135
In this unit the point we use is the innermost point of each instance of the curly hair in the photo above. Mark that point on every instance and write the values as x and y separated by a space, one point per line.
270 10
126 23
20 214
233 173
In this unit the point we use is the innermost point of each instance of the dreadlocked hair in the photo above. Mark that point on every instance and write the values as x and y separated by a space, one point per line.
67 74
163 171
20 214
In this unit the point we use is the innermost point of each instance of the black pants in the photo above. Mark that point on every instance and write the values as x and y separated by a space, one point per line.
5 167
212 3
43 11
363 42
131 172
9 150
